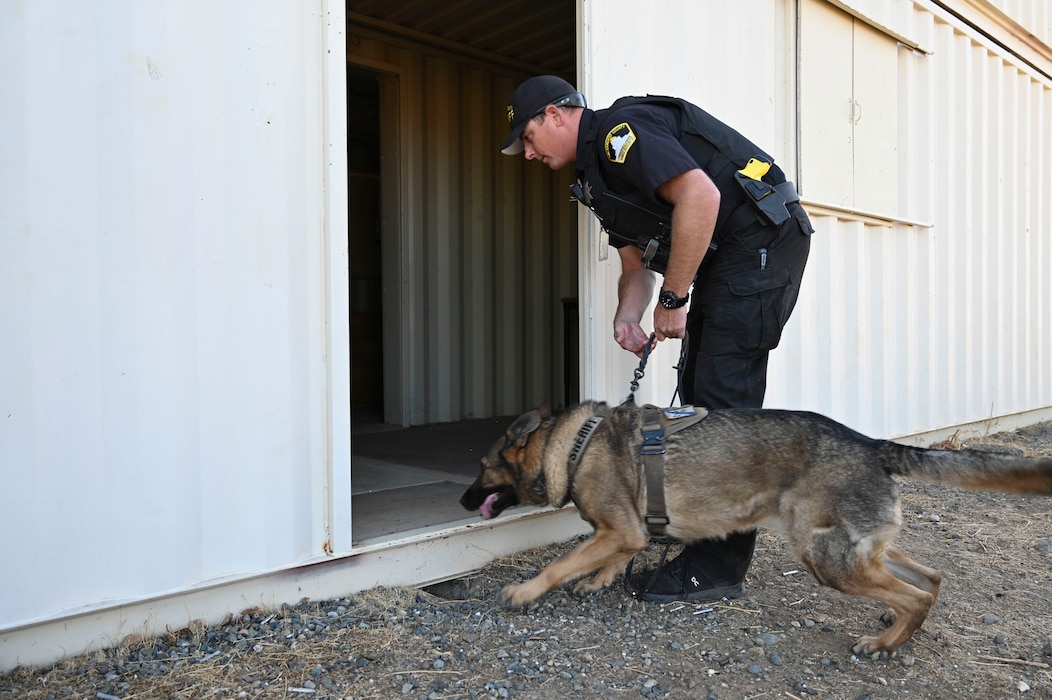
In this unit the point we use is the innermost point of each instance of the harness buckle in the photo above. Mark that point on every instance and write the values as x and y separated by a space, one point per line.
653 442
652 448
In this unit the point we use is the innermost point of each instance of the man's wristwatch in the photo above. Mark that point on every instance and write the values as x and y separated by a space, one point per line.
669 299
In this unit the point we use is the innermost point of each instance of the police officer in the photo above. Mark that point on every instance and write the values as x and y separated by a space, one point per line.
683 194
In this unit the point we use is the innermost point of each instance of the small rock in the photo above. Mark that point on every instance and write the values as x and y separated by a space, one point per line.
990 619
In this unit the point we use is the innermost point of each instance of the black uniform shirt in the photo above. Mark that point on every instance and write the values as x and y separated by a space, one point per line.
640 149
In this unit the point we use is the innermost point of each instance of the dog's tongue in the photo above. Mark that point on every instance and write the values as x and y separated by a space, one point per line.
486 509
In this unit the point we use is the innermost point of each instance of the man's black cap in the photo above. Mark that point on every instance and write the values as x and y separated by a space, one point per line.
530 99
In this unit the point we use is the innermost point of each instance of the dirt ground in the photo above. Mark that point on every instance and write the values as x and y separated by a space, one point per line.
989 636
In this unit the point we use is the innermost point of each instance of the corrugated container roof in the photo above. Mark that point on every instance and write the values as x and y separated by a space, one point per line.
537 32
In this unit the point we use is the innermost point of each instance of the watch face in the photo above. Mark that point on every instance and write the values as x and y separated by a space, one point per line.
670 301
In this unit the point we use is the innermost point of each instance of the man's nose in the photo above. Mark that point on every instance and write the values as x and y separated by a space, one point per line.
528 150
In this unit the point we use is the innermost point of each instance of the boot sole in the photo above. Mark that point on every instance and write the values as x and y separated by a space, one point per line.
709 595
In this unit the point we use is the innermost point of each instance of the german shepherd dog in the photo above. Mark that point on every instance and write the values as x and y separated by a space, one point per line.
827 487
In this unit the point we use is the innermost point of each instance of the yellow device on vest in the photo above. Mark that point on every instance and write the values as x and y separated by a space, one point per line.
755 169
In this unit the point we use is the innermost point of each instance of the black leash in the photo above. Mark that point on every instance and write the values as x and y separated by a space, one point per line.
638 374
639 371
636 592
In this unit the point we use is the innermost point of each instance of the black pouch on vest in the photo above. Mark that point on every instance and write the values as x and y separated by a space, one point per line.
766 199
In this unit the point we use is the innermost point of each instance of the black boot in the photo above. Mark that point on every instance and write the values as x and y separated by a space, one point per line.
706 570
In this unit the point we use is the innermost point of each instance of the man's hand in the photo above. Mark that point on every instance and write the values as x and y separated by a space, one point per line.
635 289
670 323
630 336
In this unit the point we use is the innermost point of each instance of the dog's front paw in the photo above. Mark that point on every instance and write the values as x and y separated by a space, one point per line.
586 586
517 595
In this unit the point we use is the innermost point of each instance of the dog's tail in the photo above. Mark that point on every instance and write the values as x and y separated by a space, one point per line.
971 469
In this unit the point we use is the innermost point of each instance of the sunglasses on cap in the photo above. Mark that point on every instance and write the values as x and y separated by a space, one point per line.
574 99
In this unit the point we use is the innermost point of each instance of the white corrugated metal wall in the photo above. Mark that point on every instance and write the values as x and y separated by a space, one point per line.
1034 15
164 396
901 328
162 250
487 242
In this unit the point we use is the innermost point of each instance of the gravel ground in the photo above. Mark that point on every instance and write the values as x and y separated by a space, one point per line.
989 636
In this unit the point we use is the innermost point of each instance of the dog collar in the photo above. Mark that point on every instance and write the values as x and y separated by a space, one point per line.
581 440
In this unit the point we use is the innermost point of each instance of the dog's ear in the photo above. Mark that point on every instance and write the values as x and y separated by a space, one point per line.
545 410
515 436
523 426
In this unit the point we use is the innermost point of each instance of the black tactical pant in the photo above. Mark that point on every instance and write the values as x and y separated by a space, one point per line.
742 298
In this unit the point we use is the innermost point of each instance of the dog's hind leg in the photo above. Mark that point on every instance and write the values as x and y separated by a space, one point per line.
912 573
860 569
608 549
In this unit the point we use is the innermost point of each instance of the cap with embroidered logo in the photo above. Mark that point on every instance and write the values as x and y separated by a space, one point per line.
530 99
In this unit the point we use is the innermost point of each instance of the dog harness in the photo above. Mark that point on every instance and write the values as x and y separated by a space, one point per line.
657 424
580 441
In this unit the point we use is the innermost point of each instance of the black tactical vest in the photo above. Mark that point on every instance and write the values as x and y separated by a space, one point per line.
635 219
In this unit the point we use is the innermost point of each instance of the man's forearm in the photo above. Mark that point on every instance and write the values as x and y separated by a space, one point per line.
635 289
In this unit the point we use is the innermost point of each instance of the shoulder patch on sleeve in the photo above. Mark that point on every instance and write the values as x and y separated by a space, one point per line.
618 142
